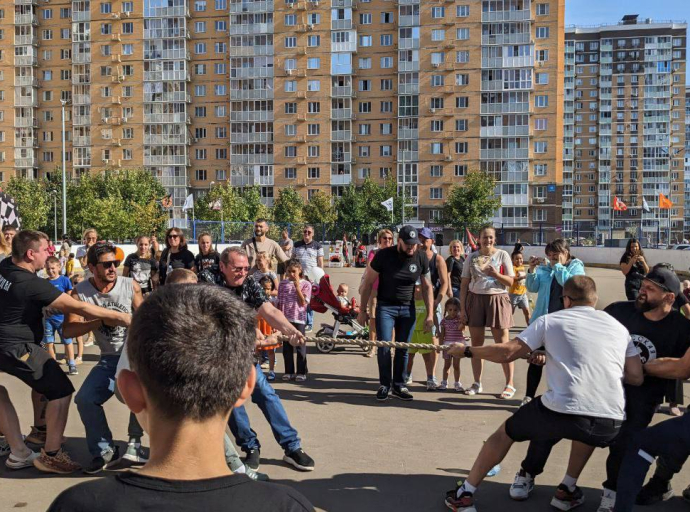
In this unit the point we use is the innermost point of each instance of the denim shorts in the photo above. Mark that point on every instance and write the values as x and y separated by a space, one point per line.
52 326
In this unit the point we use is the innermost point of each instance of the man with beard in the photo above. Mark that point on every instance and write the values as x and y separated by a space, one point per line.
261 243
658 331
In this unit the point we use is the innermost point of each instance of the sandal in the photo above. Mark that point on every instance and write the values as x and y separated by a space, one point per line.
508 393
474 389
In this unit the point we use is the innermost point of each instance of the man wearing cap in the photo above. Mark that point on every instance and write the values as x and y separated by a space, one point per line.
658 331
397 269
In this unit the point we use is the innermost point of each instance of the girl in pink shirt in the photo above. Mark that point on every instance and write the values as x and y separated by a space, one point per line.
294 294
451 333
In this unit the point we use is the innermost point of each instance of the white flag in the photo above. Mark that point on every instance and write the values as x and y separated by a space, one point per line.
388 203
645 206
216 205
188 203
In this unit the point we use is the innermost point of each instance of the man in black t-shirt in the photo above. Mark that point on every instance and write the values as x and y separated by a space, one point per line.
658 331
184 403
397 269
23 295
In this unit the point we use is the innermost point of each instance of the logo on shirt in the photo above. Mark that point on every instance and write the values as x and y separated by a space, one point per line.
645 347
413 268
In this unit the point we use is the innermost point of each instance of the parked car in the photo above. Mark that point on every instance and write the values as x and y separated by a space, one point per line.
680 247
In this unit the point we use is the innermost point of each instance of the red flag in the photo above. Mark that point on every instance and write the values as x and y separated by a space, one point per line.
664 202
618 205
471 240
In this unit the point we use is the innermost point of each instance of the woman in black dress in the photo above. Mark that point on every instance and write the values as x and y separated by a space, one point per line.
634 268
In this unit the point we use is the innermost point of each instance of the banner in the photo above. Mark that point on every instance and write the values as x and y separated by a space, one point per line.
188 203
618 205
388 203
664 202
645 206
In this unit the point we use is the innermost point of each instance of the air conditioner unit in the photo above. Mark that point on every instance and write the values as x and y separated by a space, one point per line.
126 14
115 15
291 5
435 64
290 71
310 27
194 140
449 158
539 200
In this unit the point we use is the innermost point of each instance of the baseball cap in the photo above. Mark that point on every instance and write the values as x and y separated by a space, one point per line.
408 234
426 233
666 279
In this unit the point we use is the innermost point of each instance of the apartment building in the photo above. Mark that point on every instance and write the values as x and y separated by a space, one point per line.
624 129
310 94
686 212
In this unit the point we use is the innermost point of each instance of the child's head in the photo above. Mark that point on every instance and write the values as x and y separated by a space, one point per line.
53 267
71 255
205 242
343 289
181 276
263 262
143 245
518 259
294 269
452 308
685 284
267 284
76 279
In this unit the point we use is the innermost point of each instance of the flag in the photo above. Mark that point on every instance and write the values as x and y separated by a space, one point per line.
188 203
645 206
216 205
167 202
388 203
618 205
664 202
471 240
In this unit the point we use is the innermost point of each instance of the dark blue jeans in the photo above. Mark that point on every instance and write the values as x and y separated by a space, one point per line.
402 319
269 402
670 438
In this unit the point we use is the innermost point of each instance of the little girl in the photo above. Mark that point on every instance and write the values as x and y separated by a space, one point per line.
268 352
294 294
451 333
263 269
518 291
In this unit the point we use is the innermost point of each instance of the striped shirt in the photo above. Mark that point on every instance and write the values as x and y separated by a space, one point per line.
452 331
288 302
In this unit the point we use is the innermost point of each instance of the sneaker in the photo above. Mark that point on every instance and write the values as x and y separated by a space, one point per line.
309 328
14 462
525 401
459 388
288 376
521 486
443 385
78 360
299 459
271 376
301 378
37 437
382 393
255 475
61 361
72 370
253 459
431 384
101 462
135 454
474 389
608 501
654 491
494 470
4 447
264 365
59 463
409 381
403 394
465 503
565 499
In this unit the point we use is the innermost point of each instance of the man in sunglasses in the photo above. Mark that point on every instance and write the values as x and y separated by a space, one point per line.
234 275
107 290
261 243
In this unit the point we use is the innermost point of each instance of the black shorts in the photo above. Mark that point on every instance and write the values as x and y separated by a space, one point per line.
33 365
536 422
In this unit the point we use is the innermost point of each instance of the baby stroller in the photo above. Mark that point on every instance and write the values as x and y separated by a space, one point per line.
323 299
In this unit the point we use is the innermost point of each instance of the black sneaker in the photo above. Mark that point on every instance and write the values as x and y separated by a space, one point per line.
654 491
403 394
253 459
382 393
73 370
299 459
565 499
99 463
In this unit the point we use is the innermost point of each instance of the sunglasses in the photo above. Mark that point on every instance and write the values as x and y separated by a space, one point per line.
173 236
107 264
308 232
386 238
240 269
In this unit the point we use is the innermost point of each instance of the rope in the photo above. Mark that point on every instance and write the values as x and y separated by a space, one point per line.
366 343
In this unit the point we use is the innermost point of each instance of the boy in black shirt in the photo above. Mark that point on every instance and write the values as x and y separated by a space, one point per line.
184 402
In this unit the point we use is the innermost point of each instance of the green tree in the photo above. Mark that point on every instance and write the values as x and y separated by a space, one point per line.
320 210
33 200
256 209
472 203
289 206
351 210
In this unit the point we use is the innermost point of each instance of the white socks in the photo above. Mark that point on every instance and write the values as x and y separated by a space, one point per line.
466 487
569 482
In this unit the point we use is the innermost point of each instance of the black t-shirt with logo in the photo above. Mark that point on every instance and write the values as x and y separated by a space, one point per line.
668 337
23 295
140 269
202 262
170 261
127 492
398 273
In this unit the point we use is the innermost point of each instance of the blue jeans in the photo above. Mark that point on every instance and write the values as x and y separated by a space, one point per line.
96 390
269 402
310 316
402 319
456 292
52 325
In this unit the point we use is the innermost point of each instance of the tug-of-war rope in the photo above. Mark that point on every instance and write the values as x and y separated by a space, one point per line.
360 342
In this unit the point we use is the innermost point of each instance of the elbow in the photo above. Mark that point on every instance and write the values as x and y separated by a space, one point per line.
634 380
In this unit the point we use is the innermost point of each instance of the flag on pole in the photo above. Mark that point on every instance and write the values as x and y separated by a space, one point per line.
388 203
664 202
471 240
645 206
216 205
188 203
618 205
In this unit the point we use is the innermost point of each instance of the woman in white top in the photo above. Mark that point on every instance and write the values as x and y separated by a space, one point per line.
486 277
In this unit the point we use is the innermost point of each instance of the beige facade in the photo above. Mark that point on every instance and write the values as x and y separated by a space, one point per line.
311 94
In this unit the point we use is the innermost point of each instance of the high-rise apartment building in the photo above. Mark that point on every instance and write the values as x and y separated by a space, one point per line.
624 129
310 94
686 212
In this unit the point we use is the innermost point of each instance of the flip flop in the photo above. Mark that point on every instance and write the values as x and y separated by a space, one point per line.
508 393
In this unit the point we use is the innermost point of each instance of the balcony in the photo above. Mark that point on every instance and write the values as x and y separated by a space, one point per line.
252 72
341 113
26 60
157 76
405 66
408 89
500 154
255 6
341 24
25 19
261 159
251 51
26 162
26 81
164 140
409 20
350 46
341 157
341 91
166 160
81 79
26 122
179 117
502 39
81 16
251 94
408 156
522 15
408 133
257 115
341 135
253 28
25 101
81 120
25 40
341 179
81 140
503 131
251 138
407 43
504 108
168 97
81 58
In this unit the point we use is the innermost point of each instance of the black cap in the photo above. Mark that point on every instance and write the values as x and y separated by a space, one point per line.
409 235
665 279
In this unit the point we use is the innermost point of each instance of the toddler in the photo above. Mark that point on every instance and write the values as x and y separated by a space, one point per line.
451 333
263 269
518 290
268 352
341 294
294 294
53 320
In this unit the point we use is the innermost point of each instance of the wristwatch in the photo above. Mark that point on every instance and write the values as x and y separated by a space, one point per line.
468 352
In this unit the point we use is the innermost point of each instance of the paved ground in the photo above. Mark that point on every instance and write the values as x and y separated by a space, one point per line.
370 457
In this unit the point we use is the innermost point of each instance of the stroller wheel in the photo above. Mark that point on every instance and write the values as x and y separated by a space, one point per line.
324 347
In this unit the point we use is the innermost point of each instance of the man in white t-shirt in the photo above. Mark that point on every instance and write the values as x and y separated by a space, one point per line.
587 355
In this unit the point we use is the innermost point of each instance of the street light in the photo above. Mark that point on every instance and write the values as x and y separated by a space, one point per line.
64 174
54 194
210 185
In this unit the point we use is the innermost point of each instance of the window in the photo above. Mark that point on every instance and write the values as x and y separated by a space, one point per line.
290 173
386 17
128 6
219 68
128 28
200 174
438 35
541 100
540 169
290 42
543 9
220 89
437 148
462 79
365 40
221 26
313 41
438 12
290 20
542 78
47 35
199 90
199 69
221 5
435 193
386 62
462 34
47 76
199 48
313 63
313 19
542 32
386 106
462 102
290 108
290 130
314 107
364 129
540 147
365 107
462 11
385 150
314 129
436 171
127 49
65 12
461 148
199 5
386 128
462 57
290 151
106 29
290 86
365 18
540 124
364 151
313 173
461 125
460 170
221 48
365 63
313 85
200 27
387 84
542 55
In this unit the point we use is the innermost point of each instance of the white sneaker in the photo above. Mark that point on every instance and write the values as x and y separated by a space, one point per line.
459 388
474 389
608 501
431 384
443 386
521 486
409 380
14 462
525 401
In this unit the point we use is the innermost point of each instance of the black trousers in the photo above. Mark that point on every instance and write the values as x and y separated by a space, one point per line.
289 350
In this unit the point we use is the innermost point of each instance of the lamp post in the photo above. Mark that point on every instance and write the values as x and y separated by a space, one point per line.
54 194
64 175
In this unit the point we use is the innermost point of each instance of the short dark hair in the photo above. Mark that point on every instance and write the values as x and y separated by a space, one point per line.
229 251
8 227
581 289
26 240
52 260
192 347
96 250
264 280
71 255
559 245
181 275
